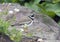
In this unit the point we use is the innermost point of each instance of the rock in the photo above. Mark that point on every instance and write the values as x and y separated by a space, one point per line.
39 25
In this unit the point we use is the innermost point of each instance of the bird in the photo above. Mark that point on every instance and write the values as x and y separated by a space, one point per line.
24 20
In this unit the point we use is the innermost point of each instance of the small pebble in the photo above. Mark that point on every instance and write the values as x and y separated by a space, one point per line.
10 12
39 40
16 10
22 30
9 3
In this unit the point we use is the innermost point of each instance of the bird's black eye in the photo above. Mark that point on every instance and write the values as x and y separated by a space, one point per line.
31 16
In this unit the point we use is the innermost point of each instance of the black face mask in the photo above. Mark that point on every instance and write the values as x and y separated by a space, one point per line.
31 16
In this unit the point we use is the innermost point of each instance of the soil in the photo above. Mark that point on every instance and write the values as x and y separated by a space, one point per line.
4 38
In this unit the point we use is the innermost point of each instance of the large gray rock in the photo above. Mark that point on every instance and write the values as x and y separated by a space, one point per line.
37 24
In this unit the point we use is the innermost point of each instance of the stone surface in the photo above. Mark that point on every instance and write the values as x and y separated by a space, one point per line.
38 24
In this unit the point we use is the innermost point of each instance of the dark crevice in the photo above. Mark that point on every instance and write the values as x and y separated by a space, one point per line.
57 18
